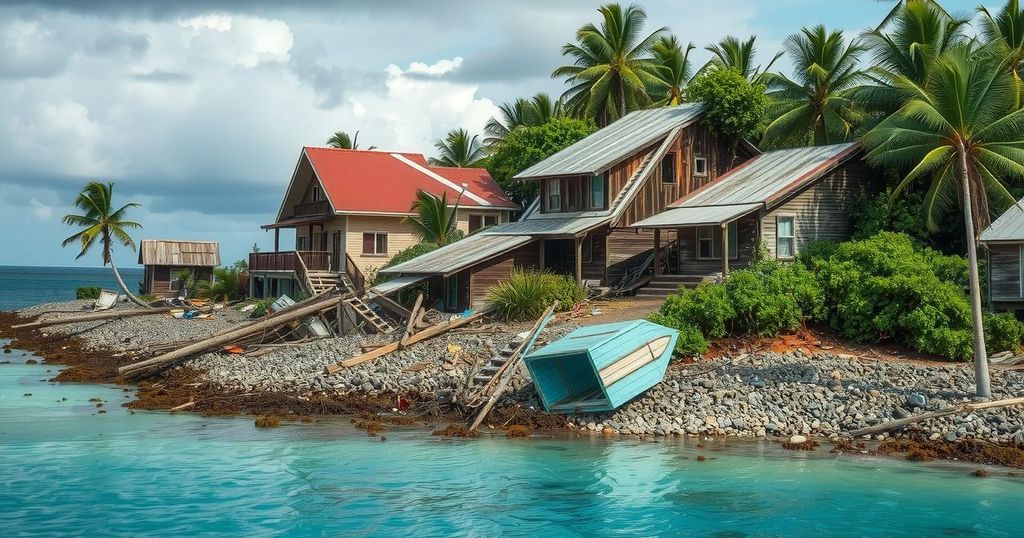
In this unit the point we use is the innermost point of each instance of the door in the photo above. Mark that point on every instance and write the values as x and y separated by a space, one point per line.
337 254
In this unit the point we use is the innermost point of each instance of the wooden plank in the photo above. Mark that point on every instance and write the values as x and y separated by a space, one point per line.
958 409
97 317
635 360
410 325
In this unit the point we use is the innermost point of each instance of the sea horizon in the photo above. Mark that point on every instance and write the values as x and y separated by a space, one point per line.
27 285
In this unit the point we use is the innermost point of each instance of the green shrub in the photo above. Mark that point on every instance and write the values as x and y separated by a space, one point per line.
691 341
226 285
707 307
770 297
886 287
148 297
816 250
262 307
525 294
88 292
1002 332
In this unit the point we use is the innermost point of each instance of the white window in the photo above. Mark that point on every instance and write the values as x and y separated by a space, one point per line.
700 166
554 192
479 222
597 188
709 242
316 193
785 237
375 243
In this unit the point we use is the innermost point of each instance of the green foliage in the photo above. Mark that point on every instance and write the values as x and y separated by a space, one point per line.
458 149
434 221
525 294
242 266
885 287
262 307
691 341
148 297
816 249
226 285
731 53
403 256
342 140
708 307
733 107
1002 332
527 145
770 297
87 292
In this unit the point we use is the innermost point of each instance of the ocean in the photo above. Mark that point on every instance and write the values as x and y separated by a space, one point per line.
22 286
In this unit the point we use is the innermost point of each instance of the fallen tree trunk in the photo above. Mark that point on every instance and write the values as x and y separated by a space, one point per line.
430 332
273 322
99 316
955 410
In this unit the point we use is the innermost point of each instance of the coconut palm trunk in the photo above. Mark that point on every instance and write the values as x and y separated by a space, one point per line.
124 288
981 378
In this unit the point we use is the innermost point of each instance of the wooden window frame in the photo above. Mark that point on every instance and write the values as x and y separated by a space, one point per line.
316 193
700 159
483 221
716 237
172 281
778 237
603 178
300 242
548 195
675 168
375 253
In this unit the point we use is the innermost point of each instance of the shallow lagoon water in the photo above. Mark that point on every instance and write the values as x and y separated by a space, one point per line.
66 469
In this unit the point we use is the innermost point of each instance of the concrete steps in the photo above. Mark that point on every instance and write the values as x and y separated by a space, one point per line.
664 285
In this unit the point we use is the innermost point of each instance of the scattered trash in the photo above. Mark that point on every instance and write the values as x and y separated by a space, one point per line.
106 300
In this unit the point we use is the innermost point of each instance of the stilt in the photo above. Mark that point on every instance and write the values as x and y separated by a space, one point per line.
541 259
579 260
657 251
725 250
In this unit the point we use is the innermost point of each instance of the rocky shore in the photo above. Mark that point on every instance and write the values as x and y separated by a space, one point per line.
764 394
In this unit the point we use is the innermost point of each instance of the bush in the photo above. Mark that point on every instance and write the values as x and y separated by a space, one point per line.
226 285
707 307
148 298
734 108
525 294
262 307
770 297
88 292
1002 332
691 341
885 287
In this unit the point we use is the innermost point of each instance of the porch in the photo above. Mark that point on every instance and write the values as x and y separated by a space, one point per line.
288 272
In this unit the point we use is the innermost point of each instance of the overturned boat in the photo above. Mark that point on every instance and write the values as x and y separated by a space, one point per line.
601 367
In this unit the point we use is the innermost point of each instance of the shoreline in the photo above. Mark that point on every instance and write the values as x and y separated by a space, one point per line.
197 388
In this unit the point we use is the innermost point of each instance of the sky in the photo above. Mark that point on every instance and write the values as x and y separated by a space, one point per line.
198 110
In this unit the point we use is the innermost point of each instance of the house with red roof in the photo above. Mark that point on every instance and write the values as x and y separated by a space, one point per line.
347 210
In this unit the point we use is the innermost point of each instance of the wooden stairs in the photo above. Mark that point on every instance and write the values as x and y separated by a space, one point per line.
665 285
484 378
320 281
379 324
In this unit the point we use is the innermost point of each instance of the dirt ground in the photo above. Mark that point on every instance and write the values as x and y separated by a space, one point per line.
618 309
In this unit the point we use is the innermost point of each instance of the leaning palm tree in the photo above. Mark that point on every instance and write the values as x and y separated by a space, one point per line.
101 223
674 71
612 65
731 53
341 140
458 149
434 221
817 107
962 131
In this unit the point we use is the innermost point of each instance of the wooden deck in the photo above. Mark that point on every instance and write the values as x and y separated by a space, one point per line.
315 260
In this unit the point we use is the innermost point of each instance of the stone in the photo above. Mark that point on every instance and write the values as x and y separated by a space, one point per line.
797 439
916 399
951 436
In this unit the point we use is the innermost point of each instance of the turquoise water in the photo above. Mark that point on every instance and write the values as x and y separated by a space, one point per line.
22 286
64 469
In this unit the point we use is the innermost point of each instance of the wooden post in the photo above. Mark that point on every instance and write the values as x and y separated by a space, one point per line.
579 260
541 255
277 240
657 251
725 250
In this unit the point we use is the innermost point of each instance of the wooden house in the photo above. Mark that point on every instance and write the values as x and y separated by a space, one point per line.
347 207
1004 241
164 262
591 194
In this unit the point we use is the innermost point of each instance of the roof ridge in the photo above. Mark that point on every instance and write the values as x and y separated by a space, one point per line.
441 179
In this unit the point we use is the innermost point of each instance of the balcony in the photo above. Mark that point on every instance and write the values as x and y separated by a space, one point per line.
312 209
315 260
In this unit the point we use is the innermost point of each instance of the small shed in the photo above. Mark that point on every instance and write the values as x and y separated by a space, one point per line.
165 260
1004 240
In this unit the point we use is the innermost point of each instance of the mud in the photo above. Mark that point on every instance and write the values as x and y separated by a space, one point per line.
456 430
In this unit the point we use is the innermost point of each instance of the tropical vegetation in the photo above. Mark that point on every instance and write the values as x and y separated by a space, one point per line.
525 294
342 140
434 221
225 287
458 149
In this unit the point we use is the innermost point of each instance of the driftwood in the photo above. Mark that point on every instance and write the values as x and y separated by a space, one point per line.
425 334
509 364
954 410
410 326
95 317
183 406
272 322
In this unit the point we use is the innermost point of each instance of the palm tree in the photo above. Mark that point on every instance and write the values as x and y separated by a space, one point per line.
341 140
532 112
817 107
731 53
612 67
435 222
226 285
963 132
674 71
458 149
100 220
1005 32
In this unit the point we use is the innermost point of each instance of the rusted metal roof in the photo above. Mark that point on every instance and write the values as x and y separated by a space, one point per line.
1009 227
456 256
697 216
770 176
622 138
179 253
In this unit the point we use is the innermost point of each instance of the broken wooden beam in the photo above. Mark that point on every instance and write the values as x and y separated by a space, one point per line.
430 332
410 326
99 316
954 410
208 344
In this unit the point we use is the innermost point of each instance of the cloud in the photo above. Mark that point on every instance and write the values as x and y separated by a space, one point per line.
159 75
435 69
40 210
117 41
29 49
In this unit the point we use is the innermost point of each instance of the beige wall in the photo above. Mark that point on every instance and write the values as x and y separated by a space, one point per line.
400 237
462 216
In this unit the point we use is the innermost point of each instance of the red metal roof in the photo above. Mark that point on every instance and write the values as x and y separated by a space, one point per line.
381 182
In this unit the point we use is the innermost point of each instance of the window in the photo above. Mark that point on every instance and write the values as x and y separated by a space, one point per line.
375 244
452 292
478 222
300 242
180 277
700 166
668 168
785 237
709 242
597 187
554 192
316 193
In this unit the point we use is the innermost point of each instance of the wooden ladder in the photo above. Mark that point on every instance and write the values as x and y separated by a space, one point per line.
484 378
321 281
379 324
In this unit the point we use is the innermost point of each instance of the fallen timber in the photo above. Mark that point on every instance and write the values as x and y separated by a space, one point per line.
954 410
425 334
99 316
270 323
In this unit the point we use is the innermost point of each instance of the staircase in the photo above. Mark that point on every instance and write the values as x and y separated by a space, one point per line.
379 324
321 281
484 378
663 285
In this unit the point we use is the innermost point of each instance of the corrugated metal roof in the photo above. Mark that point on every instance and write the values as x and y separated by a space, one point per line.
768 175
396 284
549 226
1008 227
459 255
182 253
697 216
611 144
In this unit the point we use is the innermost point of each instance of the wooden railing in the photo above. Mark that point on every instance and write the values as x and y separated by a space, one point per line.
314 260
311 209
354 274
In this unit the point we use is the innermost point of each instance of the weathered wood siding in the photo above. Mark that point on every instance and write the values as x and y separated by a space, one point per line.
821 211
628 247
1004 272
157 279
746 249
400 237
478 279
